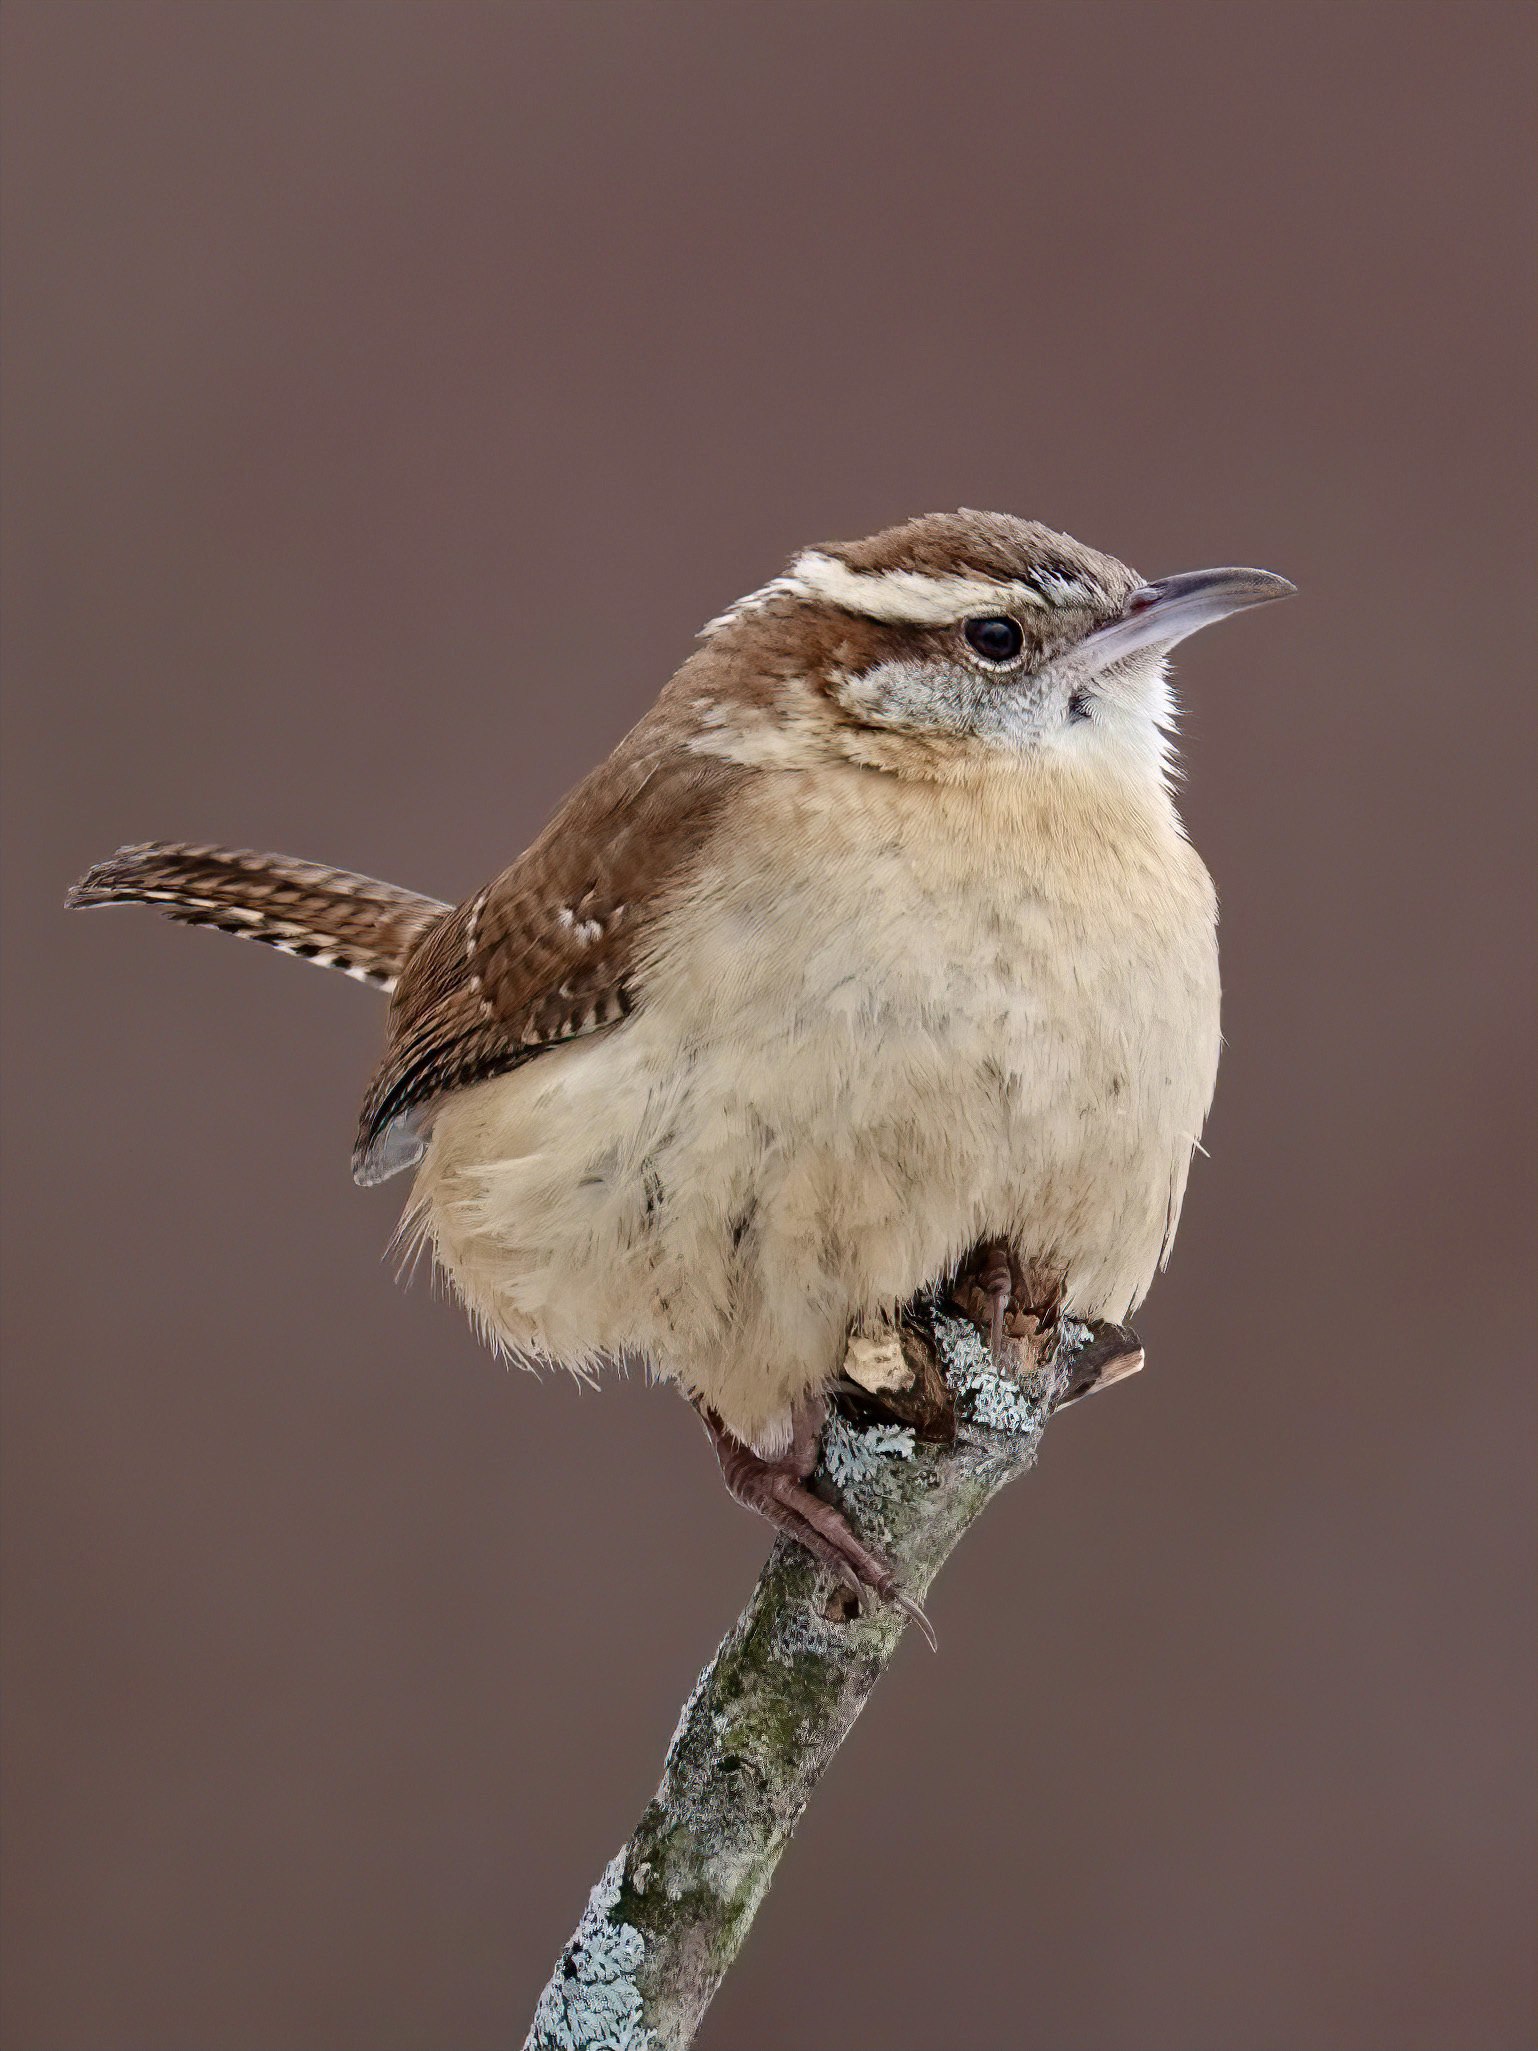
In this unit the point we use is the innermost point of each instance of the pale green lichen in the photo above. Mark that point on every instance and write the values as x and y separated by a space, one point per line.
592 2002
1072 1337
853 1453
998 1402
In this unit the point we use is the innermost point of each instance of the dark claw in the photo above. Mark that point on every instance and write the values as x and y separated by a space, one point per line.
914 1612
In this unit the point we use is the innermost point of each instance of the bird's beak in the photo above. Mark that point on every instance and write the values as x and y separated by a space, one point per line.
1159 615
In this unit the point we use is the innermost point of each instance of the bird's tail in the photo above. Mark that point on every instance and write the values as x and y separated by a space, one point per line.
341 921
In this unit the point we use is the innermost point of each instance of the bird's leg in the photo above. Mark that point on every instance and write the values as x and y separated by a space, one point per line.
996 1279
1009 1298
777 1489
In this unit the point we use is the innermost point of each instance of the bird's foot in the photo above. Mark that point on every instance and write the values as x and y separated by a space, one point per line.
777 1489
1006 1297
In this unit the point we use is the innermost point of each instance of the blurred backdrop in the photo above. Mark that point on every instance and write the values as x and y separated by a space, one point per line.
351 349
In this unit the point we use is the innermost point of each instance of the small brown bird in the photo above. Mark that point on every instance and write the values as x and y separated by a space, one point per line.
877 942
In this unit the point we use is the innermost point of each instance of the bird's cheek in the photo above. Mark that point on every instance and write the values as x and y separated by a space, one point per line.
917 697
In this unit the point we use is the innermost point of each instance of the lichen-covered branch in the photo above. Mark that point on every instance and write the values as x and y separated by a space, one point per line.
767 1715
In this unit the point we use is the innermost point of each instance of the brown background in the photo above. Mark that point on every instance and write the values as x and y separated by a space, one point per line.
392 390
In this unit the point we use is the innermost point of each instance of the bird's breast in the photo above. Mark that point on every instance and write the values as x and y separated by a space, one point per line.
933 1011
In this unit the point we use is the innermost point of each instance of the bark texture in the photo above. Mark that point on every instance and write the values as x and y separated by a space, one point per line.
674 1905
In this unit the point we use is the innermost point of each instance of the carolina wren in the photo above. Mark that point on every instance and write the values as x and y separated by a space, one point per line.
877 940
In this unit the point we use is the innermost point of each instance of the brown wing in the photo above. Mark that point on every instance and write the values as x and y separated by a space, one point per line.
548 952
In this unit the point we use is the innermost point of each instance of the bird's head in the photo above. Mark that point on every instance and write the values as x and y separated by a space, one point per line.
961 638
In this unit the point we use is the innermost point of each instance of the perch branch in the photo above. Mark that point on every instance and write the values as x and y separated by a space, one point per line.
928 1431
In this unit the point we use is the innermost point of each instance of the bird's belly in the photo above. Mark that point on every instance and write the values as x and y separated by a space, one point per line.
754 1159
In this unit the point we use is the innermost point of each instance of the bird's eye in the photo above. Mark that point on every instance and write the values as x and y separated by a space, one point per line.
995 640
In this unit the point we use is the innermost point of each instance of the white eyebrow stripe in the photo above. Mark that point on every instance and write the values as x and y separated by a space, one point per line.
910 597
1064 590
906 595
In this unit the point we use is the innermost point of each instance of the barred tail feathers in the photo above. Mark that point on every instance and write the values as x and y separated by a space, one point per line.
328 916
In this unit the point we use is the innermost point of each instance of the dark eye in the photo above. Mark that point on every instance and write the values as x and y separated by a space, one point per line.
995 640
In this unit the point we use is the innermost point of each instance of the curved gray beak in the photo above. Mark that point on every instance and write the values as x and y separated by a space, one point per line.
1159 615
